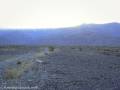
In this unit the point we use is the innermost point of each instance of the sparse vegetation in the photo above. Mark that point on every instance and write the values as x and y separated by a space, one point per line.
60 67
72 47
80 49
19 62
13 73
51 48
110 51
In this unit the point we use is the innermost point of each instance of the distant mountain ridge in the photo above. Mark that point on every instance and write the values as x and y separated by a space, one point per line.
86 34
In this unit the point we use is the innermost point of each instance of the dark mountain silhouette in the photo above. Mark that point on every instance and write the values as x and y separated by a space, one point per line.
86 34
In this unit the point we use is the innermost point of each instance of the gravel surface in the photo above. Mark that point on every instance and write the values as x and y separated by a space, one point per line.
65 68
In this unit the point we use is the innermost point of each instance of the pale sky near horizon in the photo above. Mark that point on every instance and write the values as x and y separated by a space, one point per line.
57 13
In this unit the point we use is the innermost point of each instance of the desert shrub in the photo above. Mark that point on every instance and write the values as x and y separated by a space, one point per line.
110 51
19 62
118 55
11 73
51 48
80 49
72 47
107 50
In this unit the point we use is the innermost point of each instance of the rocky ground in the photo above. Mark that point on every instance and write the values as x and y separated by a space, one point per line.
60 68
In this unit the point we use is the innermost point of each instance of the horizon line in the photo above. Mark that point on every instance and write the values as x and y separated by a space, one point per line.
52 28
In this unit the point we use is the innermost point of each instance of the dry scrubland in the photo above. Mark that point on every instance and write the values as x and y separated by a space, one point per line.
60 67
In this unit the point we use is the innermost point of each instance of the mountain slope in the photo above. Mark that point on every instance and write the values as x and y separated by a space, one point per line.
86 34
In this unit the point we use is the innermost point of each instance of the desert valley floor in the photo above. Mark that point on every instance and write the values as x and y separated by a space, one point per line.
59 68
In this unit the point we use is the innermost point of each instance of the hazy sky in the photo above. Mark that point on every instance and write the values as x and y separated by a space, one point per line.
57 13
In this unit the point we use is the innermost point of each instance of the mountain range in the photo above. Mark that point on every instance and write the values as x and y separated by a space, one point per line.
85 34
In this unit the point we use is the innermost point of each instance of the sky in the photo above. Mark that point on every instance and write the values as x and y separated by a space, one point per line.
57 13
